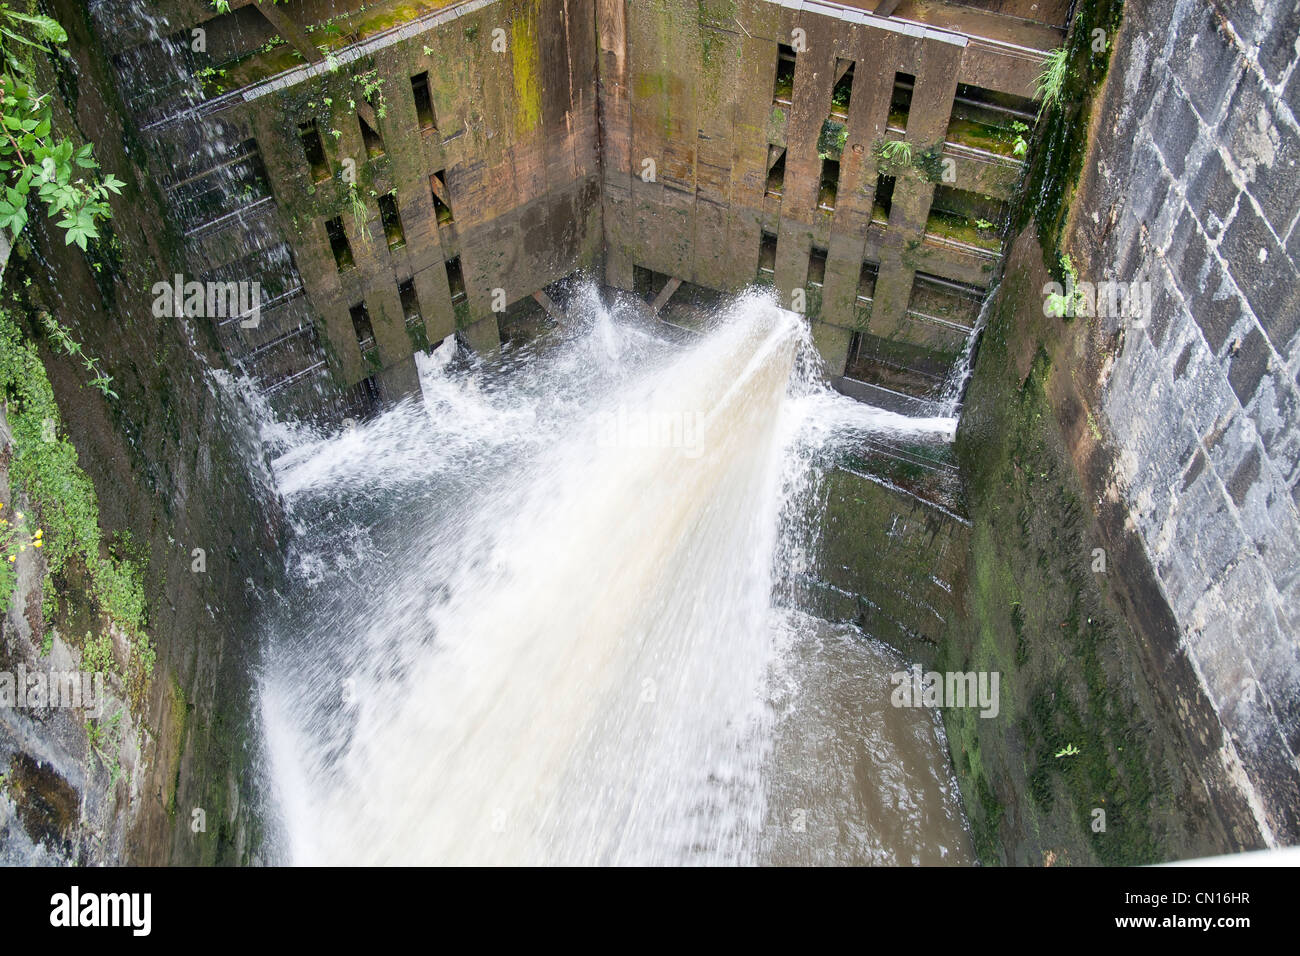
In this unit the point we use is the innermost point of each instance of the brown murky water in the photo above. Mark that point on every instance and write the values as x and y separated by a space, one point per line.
855 780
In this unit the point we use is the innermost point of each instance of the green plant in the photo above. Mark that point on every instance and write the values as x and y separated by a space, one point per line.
97 654
44 467
1051 82
31 155
1069 750
14 540
1057 304
929 163
894 153
104 740
832 139
63 339
372 91
360 213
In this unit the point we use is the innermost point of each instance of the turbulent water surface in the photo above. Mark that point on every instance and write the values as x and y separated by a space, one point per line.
547 613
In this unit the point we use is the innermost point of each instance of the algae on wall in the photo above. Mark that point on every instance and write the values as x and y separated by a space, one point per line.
1096 755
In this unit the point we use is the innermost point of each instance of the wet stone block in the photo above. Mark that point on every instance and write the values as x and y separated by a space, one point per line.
1206 62
1261 267
1217 308
1248 366
1244 477
1178 128
47 804
1212 193
1191 255
1266 149
1277 48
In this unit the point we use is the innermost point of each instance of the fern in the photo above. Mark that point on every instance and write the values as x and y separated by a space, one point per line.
1050 85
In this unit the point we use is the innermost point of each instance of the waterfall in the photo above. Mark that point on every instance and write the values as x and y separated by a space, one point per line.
953 392
547 613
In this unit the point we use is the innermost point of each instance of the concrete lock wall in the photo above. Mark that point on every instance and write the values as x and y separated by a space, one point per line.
593 136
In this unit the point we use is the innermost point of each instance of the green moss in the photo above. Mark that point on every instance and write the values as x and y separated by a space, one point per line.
528 86
1077 75
1036 613
45 468
179 717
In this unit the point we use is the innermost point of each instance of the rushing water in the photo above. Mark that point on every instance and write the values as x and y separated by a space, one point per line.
548 614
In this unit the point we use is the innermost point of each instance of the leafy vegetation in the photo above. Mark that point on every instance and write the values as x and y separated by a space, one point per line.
830 143
63 339
31 155
44 467
894 154
1069 85
15 538
1051 82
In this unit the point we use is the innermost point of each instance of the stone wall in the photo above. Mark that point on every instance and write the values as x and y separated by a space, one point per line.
1192 182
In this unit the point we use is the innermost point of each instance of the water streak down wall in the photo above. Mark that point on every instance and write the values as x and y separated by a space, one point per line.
1193 182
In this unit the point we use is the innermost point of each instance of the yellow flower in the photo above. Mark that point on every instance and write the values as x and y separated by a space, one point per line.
36 544
12 558
38 533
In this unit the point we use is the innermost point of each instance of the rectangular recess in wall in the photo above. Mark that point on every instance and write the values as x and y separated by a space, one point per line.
817 266
900 103
361 325
423 101
767 255
855 346
373 142
314 148
867 281
410 303
783 88
392 220
991 121
775 171
943 300
842 92
339 244
441 198
456 280
830 184
884 200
